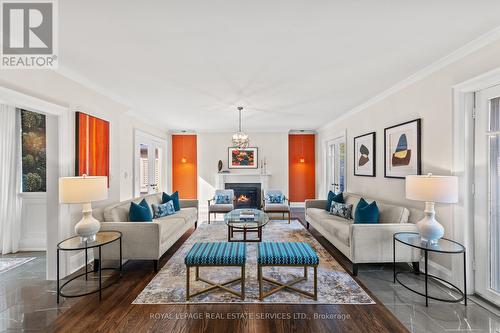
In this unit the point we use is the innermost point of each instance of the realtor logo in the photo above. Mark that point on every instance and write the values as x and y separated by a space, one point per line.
28 34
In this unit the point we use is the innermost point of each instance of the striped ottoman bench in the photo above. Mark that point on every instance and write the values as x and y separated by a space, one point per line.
216 254
291 254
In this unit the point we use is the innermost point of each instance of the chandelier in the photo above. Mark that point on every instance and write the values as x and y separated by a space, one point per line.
240 139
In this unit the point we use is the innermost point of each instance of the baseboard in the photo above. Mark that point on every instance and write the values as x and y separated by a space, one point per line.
77 261
32 249
437 270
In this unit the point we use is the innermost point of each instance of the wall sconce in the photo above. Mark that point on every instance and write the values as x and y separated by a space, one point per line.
302 160
183 160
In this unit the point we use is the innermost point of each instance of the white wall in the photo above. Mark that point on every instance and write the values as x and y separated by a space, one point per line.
430 98
213 147
52 87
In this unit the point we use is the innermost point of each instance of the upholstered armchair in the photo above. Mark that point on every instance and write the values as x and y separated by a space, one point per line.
275 201
222 202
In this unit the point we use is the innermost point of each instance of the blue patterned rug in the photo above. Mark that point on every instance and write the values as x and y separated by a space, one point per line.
335 286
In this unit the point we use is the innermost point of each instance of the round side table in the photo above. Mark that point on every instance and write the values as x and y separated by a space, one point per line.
75 244
443 245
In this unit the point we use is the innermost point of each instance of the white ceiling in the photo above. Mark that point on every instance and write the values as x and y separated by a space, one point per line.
293 64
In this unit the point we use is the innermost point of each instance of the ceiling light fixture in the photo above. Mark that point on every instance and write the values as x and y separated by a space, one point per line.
240 139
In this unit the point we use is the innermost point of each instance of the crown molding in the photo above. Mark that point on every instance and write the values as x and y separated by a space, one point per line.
470 47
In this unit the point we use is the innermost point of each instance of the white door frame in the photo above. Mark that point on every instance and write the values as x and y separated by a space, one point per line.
463 167
482 213
163 144
340 137
58 216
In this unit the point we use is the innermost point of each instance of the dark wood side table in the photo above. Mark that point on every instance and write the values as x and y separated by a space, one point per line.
443 245
75 244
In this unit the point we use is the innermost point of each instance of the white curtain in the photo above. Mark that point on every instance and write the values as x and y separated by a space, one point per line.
10 179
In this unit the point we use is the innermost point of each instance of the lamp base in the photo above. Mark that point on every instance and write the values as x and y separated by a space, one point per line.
429 228
88 226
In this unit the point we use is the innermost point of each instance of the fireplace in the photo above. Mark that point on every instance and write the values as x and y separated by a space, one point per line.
248 195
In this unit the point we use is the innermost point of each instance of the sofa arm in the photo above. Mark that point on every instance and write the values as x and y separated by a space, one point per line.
185 203
140 240
374 243
315 203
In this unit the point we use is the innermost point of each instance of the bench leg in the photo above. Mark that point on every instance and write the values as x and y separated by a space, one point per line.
259 273
315 283
289 217
305 272
187 283
243 282
208 217
307 226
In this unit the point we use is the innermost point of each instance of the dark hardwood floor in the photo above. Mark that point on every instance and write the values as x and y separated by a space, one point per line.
115 313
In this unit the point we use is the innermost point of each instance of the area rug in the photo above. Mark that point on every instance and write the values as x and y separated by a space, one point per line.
335 286
6 264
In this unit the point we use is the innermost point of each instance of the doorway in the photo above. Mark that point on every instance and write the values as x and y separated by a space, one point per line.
336 164
149 164
487 193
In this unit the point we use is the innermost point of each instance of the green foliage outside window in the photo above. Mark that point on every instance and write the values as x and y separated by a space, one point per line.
34 155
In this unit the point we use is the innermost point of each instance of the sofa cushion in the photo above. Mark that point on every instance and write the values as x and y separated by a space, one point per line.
140 212
339 228
189 214
169 225
276 207
221 208
118 212
388 213
333 197
366 213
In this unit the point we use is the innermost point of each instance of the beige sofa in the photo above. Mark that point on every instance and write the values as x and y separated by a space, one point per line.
365 243
145 240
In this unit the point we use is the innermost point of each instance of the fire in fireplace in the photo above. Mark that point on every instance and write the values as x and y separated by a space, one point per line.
248 195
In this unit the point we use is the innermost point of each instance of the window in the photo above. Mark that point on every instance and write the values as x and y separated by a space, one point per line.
34 155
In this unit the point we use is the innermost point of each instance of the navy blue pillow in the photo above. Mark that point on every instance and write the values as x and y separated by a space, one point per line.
334 197
174 197
140 212
366 213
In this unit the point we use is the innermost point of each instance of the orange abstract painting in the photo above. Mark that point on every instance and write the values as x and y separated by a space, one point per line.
92 146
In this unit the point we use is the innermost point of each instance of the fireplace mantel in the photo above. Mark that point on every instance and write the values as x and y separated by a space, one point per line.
222 178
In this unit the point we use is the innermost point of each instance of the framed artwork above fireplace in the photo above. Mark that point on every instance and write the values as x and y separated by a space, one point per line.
242 158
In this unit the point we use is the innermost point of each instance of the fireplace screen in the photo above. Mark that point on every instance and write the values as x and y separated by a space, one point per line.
248 195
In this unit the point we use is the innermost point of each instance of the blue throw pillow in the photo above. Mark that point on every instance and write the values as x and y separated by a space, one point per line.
333 197
342 210
366 213
163 209
275 198
140 212
174 197
222 199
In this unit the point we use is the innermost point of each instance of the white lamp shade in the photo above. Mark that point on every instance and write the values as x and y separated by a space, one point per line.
82 189
442 189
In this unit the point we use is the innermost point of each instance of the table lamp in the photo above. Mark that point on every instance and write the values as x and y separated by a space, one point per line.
84 190
431 189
